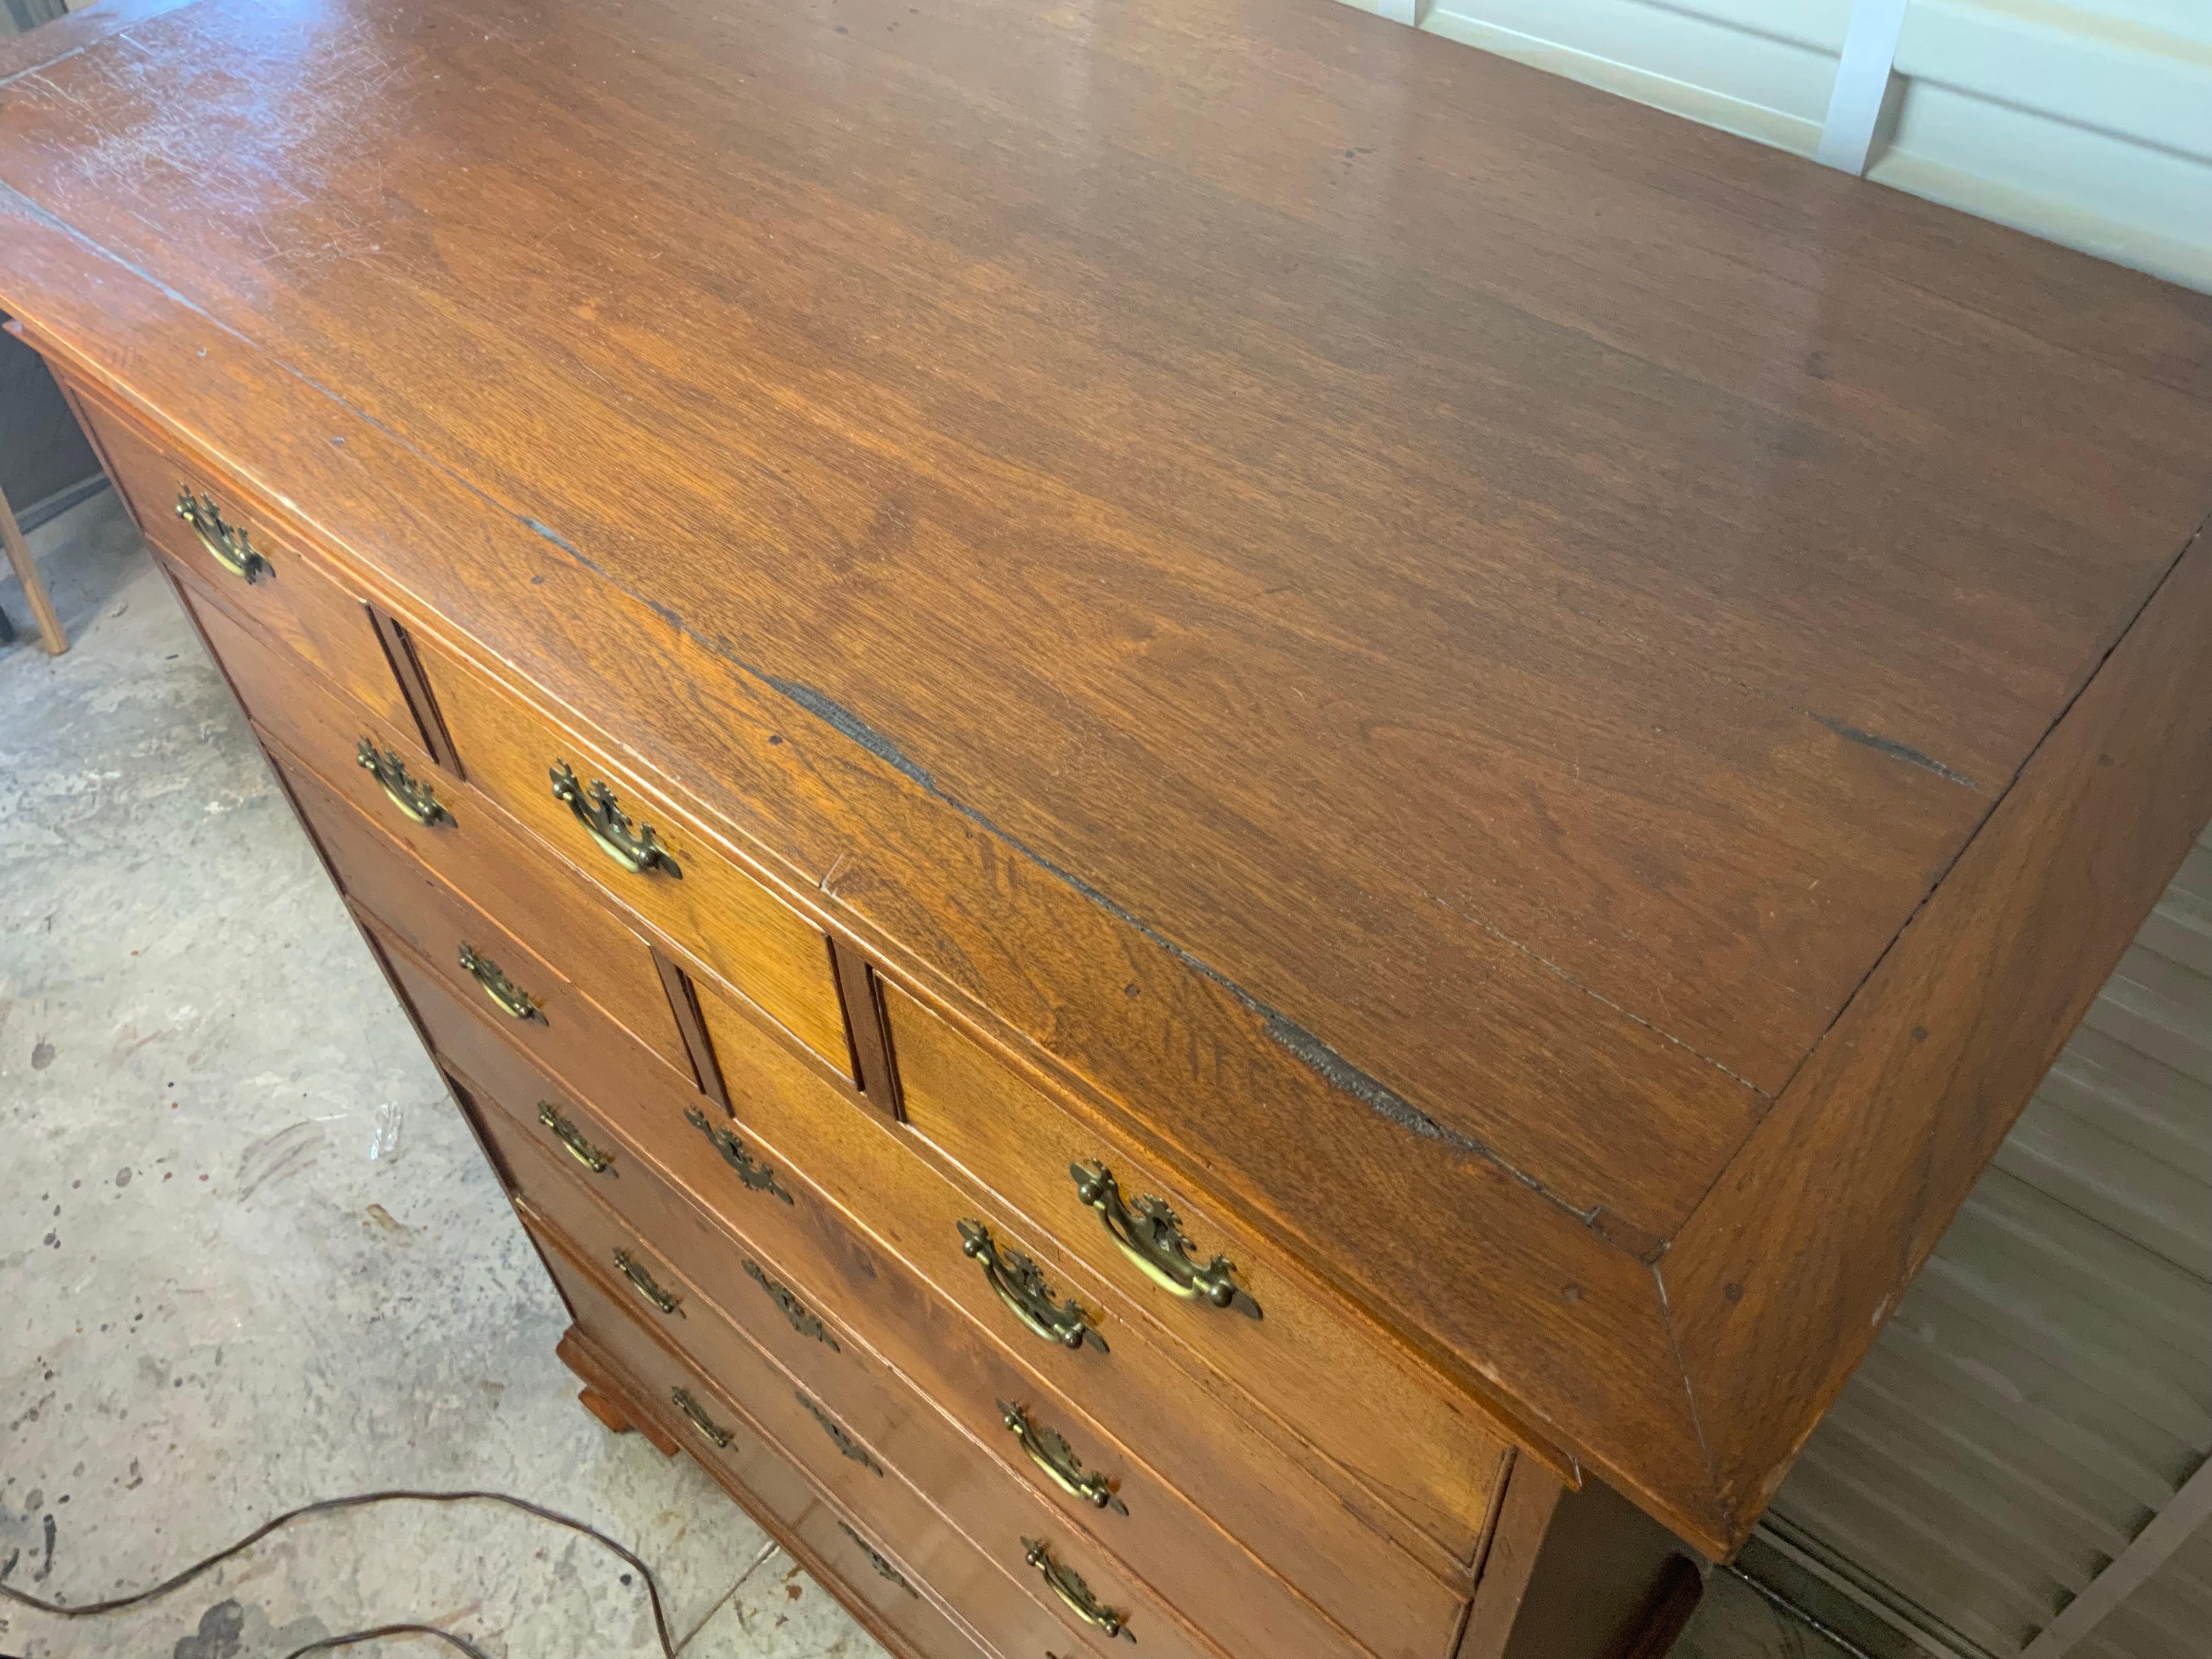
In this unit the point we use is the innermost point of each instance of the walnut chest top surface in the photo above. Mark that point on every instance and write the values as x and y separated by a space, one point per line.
1562 707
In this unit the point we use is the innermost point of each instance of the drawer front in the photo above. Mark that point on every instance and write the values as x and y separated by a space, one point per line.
294 598
861 1557
690 891
884 1484
1143 1415
477 957
450 828
640 1162
1422 1447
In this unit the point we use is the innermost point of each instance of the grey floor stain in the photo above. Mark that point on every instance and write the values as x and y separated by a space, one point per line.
218 1638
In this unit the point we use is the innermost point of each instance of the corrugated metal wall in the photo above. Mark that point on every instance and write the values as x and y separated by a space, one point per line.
2169 1618
2045 1387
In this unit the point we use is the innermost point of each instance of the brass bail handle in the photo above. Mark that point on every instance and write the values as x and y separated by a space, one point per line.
1051 1453
1150 1235
229 545
642 1282
1067 1584
1020 1283
572 1139
637 850
515 1003
418 802
680 1398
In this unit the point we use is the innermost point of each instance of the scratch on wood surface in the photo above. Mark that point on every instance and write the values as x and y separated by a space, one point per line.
1896 751
1317 1055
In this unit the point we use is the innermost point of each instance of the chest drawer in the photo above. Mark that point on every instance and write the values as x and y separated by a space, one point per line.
1213 1286
1189 1433
921 1485
474 956
609 826
450 829
291 595
644 1164
867 1562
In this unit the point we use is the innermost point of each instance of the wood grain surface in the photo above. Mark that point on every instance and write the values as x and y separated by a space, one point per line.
889 1321
1410 633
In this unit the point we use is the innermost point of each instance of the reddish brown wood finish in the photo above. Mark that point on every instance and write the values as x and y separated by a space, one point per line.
710 905
613 1358
982 1588
1578 1575
474 851
1165 1537
296 601
878 1301
1431 1455
1463 662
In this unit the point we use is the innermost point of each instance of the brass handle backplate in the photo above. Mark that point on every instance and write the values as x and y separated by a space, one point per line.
758 1177
1020 1284
582 1150
844 1442
884 1568
417 801
705 1424
1067 1584
229 545
1051 1453
793 1310
636 850
643 1283
515 1003
1150 1235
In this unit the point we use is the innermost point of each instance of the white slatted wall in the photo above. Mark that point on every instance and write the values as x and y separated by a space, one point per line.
2086 121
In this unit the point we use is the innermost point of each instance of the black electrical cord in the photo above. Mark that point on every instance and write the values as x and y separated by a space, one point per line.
359 1500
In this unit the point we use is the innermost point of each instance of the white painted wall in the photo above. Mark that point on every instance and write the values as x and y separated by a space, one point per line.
2086 121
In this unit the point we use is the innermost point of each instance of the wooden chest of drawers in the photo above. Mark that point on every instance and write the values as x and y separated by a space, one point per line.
1234 827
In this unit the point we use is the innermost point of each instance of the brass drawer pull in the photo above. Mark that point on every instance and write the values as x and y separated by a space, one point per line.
793 1310
883 1569
1051 1453
642 1282
516 1004
582 1150
417 802
229 545
636 850
1067 1584
1020 1283
758 1177
705 1424
844 1442
1150 1235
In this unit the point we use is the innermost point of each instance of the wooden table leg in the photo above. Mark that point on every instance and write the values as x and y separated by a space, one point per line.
34 589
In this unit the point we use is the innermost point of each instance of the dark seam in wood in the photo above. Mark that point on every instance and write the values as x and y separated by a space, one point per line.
683 1004
1724 1510
1309 1049
1965 841
867 1029
415 688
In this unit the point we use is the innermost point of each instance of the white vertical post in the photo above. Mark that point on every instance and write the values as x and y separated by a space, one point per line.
1862 81
1403 11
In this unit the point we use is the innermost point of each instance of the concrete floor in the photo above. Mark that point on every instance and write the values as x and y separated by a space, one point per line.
249 1255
